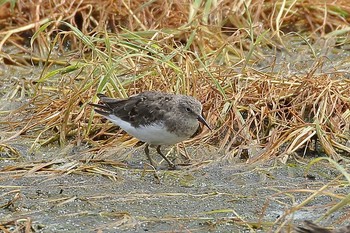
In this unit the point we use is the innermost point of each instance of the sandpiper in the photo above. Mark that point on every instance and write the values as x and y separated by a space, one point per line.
155 118
310 227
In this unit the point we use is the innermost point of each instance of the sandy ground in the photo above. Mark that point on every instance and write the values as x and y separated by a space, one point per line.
57 191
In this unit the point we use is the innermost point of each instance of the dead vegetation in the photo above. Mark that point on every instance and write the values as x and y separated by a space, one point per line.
237 57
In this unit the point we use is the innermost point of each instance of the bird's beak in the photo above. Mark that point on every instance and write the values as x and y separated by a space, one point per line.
201 119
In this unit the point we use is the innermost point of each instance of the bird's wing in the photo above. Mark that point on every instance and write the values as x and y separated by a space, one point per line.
143 108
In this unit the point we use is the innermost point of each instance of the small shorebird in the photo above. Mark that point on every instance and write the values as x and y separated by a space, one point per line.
313 228
155 118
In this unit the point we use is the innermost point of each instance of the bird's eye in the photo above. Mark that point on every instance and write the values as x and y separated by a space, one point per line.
188 109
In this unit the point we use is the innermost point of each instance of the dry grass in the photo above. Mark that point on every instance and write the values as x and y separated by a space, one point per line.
209 52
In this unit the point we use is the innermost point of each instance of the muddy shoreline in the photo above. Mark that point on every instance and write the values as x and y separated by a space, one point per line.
218 196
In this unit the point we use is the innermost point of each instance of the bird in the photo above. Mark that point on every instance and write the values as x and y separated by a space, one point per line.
156 118
311 227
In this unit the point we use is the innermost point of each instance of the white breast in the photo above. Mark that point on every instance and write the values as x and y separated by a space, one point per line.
154 134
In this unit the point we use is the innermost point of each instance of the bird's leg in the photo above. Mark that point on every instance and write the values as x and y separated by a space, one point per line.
148 156
152 164
171 164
